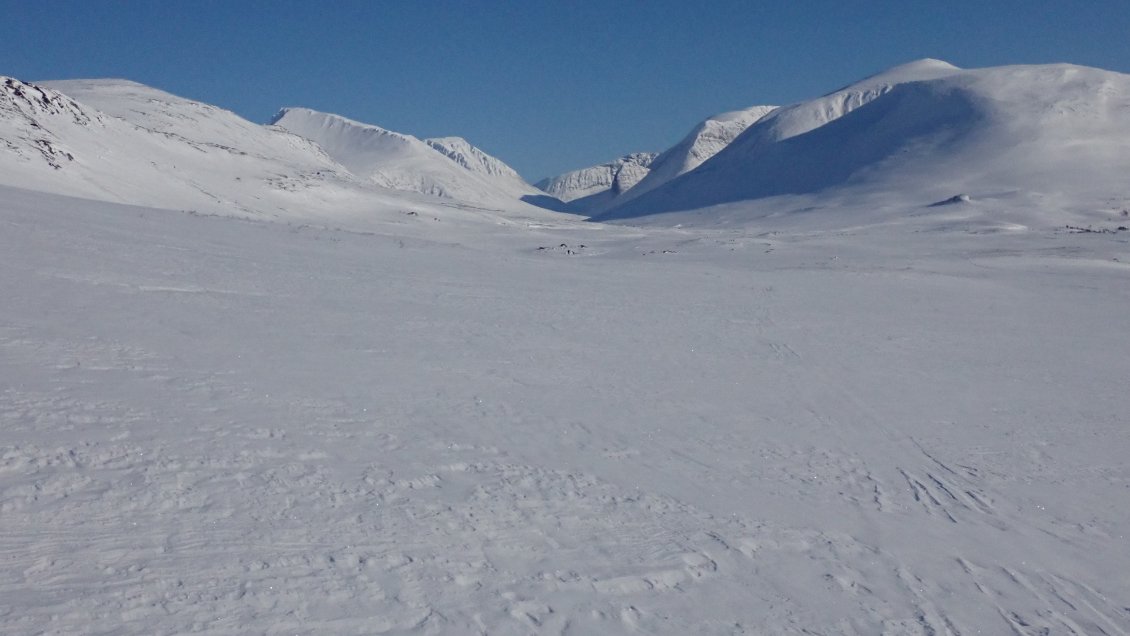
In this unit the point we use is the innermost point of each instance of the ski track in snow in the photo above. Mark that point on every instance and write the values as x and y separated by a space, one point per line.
222 427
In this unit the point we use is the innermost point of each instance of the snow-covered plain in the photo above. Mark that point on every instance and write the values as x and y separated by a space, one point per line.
342 411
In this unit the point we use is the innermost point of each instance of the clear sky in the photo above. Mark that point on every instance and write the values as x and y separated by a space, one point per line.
546 86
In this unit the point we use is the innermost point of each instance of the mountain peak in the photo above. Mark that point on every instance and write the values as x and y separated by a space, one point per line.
703 141
600 179
463 153
926 64
926 68
923 131
448 167
293 114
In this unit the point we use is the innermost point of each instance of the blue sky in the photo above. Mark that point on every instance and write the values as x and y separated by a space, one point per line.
546 86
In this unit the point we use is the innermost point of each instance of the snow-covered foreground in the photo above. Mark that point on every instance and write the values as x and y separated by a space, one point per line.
221 426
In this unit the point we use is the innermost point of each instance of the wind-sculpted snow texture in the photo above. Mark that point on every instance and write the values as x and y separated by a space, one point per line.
381 412
921 133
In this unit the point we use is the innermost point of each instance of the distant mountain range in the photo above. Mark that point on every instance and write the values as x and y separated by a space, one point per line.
590 187
1055 135
912 135
601 187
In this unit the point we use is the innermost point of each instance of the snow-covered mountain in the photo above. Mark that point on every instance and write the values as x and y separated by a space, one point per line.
1054 138
590 188
600 187
703 142
463 153
195 123
22 105
120 141
921 133
448 167
31 120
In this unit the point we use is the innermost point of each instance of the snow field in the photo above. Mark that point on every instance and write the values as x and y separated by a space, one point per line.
219 426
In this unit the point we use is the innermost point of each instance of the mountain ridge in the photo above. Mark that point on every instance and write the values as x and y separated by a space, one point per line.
447 167
920 133
908 136
704 141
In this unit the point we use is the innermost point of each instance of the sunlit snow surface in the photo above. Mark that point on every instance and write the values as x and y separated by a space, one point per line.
412 426
863 371
926 130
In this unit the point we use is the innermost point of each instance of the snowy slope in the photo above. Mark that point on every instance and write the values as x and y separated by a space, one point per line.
577 184
187 120
597 188
124 142
463 153
590 188
220 426
115 140
923 133
447 167
707 139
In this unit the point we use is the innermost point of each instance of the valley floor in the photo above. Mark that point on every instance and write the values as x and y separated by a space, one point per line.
220 426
